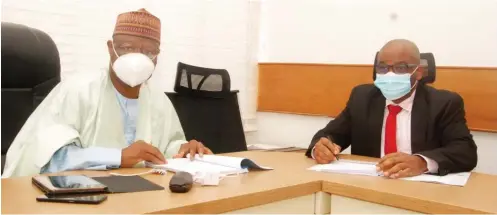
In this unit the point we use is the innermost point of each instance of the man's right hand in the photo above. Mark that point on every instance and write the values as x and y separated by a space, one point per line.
141 151
325 151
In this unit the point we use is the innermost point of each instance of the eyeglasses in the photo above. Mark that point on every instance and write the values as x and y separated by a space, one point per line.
126 50
399 68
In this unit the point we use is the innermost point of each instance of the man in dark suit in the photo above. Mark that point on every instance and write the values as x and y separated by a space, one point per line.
414 128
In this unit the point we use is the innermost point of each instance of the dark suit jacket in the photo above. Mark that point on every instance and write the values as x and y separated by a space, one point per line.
438 124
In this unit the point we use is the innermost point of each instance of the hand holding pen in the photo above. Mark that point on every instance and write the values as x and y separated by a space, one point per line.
325 151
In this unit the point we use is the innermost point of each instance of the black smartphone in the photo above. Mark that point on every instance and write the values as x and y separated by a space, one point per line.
93 199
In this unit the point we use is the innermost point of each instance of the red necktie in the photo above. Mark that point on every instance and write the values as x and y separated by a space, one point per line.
391 129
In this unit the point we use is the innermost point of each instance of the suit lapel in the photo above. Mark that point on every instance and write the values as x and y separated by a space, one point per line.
376 115
419 119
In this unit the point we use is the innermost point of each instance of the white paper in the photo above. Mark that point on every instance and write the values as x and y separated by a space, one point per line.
207 179
457 179
192 167
347 167
369 168
228 161
234 162
210 163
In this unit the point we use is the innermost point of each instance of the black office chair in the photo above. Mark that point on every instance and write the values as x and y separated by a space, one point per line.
427 60
30 70
207 109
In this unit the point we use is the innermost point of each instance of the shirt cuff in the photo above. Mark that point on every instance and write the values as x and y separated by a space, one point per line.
431 165
312 152
109 158
100 167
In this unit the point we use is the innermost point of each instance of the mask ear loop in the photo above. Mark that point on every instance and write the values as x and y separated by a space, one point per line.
114 49
416 83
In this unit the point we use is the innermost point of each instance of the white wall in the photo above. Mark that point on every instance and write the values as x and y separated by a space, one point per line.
210 33
458 32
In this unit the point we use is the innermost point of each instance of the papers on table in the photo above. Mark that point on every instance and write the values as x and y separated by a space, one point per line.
369 168
347 167
456 179
210 164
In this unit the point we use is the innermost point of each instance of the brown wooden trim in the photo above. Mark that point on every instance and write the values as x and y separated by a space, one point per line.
323 89
317 64
395 200
250 200
371 65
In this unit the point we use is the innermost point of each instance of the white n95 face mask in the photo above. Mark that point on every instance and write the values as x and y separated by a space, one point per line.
133 68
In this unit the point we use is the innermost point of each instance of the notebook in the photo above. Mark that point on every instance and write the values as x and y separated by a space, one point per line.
369 168
210 163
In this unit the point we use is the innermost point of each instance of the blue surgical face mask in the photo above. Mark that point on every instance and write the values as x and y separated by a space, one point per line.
394 86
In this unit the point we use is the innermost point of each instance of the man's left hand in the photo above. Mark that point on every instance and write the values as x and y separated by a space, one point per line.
193 147
399 165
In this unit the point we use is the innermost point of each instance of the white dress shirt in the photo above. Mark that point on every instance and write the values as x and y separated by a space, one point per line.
403 132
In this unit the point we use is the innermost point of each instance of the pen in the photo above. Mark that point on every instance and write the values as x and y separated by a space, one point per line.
336 155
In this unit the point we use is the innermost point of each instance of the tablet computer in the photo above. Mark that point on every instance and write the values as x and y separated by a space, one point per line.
53 185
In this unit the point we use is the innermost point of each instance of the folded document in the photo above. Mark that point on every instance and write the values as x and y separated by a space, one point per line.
369 168
210 163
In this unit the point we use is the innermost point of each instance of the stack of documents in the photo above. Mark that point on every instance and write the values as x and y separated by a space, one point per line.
210 164
369 168
348 167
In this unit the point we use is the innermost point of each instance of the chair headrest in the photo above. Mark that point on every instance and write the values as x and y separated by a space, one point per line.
200 81
29 57
427 61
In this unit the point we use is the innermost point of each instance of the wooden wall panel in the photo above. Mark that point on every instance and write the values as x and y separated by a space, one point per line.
323 89
478 87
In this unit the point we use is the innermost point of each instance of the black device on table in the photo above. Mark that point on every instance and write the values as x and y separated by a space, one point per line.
72 184
181 182
70 189
65 188
86 199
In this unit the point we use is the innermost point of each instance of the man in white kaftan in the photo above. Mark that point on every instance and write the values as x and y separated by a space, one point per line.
111 120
